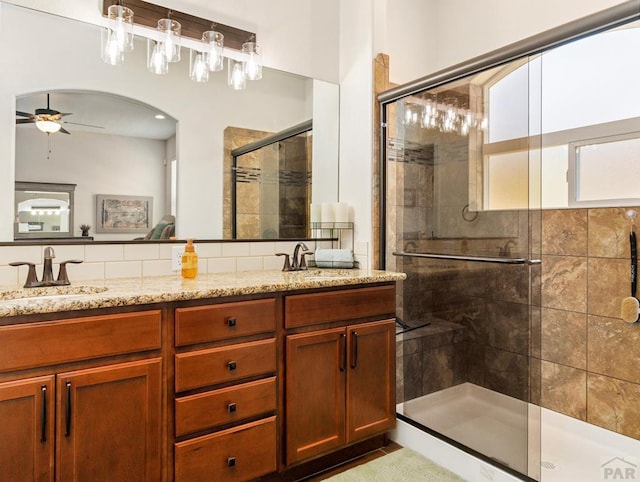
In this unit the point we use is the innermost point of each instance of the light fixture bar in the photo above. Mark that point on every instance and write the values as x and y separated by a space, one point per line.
148 14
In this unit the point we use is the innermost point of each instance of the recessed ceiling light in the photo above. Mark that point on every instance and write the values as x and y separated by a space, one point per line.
160 116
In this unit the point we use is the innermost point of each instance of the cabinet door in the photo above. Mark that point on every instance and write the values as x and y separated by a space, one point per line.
371 379
315 393
109 423
26 421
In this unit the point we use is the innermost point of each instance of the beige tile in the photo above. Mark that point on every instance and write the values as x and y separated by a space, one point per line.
564 338
564 232
609 232
614 404
614 348
253 263
263 248
8 254
134 252
104 252
564 390
157 267
235 249
86 271
608 284
564 283
8 275
209 250
66 252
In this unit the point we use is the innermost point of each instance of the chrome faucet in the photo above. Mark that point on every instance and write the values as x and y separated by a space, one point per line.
47 271
298 263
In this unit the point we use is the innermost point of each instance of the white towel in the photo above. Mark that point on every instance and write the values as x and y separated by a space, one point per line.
334 258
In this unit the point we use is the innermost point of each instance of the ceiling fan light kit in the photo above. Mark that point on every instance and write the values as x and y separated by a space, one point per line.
213 42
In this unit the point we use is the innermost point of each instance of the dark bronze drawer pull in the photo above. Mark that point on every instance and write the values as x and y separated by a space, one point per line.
232 408
231 322
232 366
231 462
354 337
67 427
43 427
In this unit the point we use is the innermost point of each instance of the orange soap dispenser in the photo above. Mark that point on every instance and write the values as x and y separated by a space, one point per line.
189 261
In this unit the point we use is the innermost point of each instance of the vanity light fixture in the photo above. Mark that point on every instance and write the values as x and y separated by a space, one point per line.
214 44
169 40
236 78
252 63
117 36
209 42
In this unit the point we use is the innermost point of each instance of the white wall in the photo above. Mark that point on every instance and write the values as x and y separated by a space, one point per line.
202 110
98 164
298 36
425 36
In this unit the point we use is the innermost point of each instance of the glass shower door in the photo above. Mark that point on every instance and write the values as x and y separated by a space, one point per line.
463 221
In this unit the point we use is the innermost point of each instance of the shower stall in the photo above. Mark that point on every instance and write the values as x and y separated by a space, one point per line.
471 160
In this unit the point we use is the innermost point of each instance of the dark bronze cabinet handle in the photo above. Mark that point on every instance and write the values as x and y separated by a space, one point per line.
343 361
232 408
232 366
354 337
231 322
231 462
67 427
43 427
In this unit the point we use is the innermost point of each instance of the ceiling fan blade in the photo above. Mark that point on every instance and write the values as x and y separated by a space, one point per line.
25 121
64 131
85 125
23 114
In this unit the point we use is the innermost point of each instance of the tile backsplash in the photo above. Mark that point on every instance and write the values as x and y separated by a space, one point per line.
106 261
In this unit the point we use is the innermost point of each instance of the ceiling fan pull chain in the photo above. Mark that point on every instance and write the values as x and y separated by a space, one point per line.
48 146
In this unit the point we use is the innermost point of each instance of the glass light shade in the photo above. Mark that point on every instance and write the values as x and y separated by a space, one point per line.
253 61
120 22
214 44
236 78
170 34
198 68
156 59
111 52
48 126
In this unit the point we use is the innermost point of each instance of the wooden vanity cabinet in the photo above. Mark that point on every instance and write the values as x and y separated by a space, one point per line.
226 391
340 382
96 423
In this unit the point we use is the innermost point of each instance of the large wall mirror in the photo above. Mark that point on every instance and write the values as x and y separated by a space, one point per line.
116 146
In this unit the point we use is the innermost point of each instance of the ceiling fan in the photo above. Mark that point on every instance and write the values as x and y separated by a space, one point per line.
48 120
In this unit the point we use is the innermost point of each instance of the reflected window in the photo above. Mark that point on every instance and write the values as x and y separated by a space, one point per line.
43 210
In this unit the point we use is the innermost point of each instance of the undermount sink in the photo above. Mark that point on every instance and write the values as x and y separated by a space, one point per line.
50 292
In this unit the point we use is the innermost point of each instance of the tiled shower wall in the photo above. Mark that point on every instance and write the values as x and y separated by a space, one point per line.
589 358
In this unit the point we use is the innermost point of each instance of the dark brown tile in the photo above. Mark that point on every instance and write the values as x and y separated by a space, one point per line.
614 404
564 338
609 283
507 373
609 232
564 283
564 232
614 348
564 390
507 326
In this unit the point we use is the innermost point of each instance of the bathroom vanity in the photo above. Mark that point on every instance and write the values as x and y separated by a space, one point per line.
226 377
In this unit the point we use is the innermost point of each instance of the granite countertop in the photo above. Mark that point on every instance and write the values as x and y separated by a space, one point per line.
15 300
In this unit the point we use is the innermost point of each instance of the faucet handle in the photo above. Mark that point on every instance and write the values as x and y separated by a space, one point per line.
63 278
32 277
287 264
303 261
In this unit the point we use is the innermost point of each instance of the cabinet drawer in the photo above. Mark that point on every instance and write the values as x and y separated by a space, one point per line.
238 454
227 363
48 343
228 320
315 308
225 406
